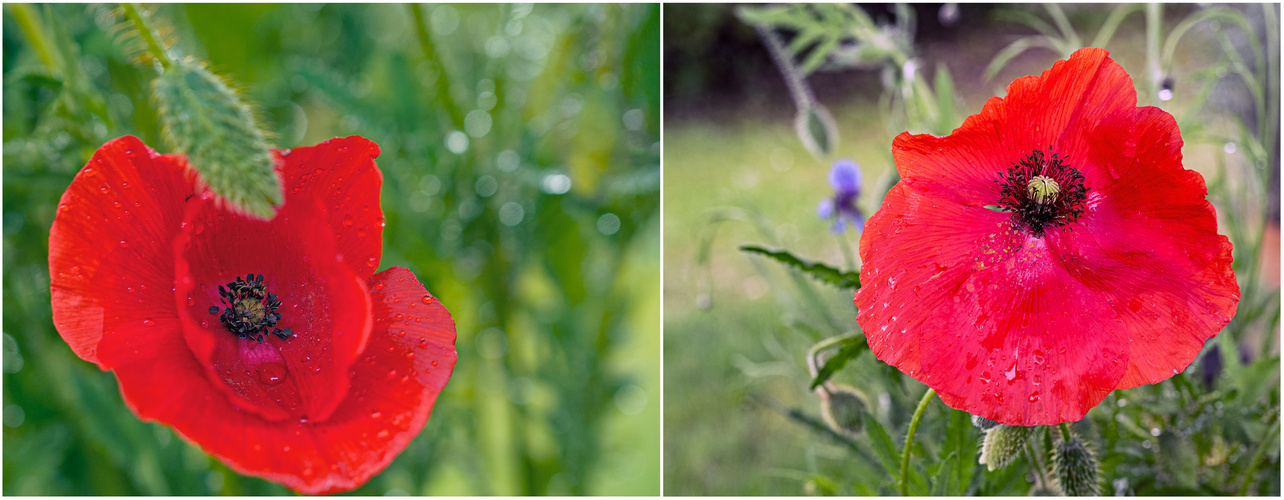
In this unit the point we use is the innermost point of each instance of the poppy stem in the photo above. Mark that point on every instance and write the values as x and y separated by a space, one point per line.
1065 432
1038 465
909 439
1257 456
145 32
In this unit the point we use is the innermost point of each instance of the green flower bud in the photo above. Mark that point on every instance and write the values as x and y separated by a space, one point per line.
1074 467
205 120
842 406
983 423
1003 444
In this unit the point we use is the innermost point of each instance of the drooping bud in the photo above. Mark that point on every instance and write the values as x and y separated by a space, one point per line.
204 119
1003 444
1074 466
842 406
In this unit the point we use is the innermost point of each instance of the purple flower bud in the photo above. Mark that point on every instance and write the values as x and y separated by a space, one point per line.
845 178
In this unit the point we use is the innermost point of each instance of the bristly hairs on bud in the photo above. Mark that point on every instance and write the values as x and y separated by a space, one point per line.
1075 466
204 118
119 24
983 423
1002 444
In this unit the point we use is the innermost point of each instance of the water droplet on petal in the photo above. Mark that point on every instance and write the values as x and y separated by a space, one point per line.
347 221
427 299
272 373
149 322
376 414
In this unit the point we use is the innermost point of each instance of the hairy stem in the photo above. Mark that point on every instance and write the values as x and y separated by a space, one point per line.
145 32
909 439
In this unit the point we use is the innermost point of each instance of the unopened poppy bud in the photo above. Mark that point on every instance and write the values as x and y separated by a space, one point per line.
1003 444
983 423
1075 467
816 129
843 407
204 119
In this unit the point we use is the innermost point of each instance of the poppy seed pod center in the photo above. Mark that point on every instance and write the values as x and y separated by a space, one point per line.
250 309
1043 191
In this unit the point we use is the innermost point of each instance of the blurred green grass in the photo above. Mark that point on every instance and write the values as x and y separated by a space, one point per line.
521 184
736 173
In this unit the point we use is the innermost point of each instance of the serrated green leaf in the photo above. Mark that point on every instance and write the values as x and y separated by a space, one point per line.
851 348
883 446
822 272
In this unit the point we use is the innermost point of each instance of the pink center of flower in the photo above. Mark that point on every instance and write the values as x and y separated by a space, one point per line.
1042 192
250 310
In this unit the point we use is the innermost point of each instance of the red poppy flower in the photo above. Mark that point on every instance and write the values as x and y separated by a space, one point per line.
272 345
1051 250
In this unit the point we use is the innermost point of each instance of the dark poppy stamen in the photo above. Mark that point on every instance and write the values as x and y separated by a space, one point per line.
1042 192
250 311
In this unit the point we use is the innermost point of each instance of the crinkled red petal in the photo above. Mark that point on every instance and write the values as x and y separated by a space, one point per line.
322 301
409 358
342 174
1148 246
953 294
110 261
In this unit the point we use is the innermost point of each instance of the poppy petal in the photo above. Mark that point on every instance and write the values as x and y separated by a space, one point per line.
110 262
342 174
1153 217
1015 346
322 301
904 260
394 385
1087 89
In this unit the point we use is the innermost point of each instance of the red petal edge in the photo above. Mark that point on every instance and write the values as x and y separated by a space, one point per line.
342 174
110 262
407 363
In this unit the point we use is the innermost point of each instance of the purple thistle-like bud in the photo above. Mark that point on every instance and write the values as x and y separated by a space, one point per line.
845 178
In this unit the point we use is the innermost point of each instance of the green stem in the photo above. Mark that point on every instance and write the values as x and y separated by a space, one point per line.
443 79
1038 465
1065 432
145 32
909 439
34 29
1154 23
1257 456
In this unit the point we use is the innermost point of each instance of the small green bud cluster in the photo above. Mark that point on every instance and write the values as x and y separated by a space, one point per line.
204 119
1003 444
1074 466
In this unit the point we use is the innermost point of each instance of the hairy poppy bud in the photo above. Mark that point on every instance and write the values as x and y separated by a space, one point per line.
204 119
843 407
983 423
1003 444
1075 467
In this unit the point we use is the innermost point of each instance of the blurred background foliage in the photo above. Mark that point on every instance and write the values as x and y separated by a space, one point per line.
744 166
520 153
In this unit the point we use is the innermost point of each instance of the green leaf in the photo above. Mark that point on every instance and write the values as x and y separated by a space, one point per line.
849 350
822 272
883 446
960 442
946 117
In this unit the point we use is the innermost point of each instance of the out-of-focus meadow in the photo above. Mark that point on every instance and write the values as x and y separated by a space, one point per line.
520 154
739 418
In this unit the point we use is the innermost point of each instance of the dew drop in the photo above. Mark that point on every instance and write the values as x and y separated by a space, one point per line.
379 286
434 362
347 221
149 322
191 301
1034 397
398 317
271 373
376 414
383 434
427 299
124 244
